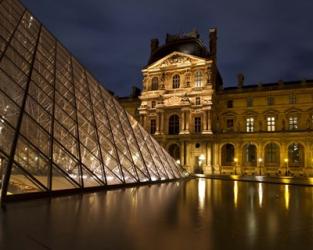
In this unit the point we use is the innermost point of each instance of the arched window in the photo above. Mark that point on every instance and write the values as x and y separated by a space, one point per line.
198 79
228 154
272 155
176 81
154 83
174 151
173 125
249 155
295 155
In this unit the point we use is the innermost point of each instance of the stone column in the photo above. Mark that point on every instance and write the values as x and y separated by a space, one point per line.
208 167
157 132
162 128
182 124
205 121
283 156
260 155
238 155
187 120
182 153
216 164
209 121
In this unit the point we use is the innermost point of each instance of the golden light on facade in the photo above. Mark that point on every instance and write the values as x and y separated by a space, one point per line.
286 160
236 160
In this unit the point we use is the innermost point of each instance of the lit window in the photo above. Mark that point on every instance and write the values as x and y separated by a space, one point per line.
173 125
250 124
271 123
249 102
154 83
176 81
198 101
230 104
197 124
152 126
187 79
153 104
270 100
292 99
293 122
198 79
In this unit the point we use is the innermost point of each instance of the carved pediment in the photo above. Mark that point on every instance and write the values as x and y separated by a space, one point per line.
176 59
174 100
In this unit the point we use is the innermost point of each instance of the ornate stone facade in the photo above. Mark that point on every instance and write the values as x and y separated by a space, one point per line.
255 129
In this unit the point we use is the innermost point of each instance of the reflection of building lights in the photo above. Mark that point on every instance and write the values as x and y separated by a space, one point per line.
201 192
286 160
287 196
260 160
36 158
235 193
177 161
236 160
260 191
154 178
25 148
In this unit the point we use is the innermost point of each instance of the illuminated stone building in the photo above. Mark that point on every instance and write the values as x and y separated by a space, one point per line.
60 130
253 129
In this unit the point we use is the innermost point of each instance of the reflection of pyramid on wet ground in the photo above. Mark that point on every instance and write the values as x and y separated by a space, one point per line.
59 129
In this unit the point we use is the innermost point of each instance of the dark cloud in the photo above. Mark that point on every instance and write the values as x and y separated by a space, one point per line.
266 40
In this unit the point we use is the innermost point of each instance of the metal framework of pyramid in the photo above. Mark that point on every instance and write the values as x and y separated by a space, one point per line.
59 128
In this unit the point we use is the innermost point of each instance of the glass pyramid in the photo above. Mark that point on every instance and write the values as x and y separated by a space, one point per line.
59 128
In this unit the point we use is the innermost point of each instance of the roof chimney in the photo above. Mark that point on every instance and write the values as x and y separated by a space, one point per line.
240 79
213 38
154 45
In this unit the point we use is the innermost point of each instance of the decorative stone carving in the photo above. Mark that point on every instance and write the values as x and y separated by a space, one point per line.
176 59
185 99
174 100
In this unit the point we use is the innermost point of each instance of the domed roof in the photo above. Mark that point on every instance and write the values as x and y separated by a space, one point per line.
188 43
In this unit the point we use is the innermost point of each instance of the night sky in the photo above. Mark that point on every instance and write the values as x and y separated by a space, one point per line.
267 40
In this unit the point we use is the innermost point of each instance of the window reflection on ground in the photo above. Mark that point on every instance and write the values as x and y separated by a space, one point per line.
194 214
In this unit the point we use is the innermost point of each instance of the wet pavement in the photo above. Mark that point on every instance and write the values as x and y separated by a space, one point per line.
291 180
192 214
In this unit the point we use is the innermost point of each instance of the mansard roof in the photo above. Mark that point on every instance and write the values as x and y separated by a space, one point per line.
186 43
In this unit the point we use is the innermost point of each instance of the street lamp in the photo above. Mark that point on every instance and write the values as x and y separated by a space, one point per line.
236 160
286 161
201 160
260 165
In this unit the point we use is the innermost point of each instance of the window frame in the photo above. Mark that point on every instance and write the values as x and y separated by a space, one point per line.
155 83
198 79
176 81
197 124
152 126
271 123
250 124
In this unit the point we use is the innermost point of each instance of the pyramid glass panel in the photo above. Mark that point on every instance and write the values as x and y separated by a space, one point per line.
59 128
